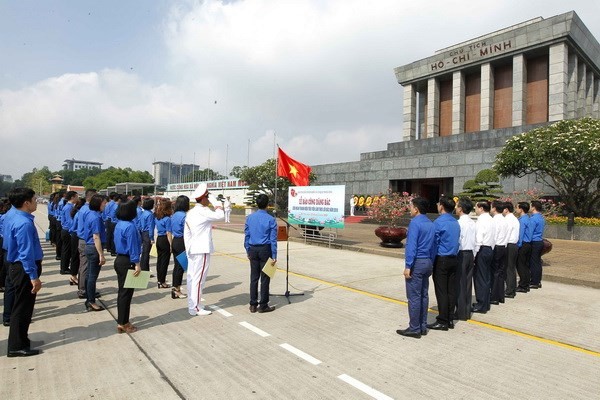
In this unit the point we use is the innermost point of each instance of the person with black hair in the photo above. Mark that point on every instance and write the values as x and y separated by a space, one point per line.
66 221
512 249
51 218
197 236
447 235
260 242
537 223
108 217
182 206
139 210
464 271
94 235
164 240
24 257
147 231
9 289
484 255
59 202
524 245
501 230
4 207
128 244
79 223
75 259
419 254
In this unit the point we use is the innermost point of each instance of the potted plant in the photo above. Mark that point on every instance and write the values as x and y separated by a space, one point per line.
389 210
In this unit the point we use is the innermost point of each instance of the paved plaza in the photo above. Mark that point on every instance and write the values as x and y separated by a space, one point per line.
336 341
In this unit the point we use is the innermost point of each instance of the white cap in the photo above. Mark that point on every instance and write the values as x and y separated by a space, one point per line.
200 191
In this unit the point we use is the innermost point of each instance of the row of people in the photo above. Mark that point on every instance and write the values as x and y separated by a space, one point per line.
460 254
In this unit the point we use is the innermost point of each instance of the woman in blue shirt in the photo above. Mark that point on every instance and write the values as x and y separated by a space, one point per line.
74 266
182 206
147 230
128 245
94 235
164 240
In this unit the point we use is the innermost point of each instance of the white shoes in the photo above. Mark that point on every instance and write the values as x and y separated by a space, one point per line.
200 312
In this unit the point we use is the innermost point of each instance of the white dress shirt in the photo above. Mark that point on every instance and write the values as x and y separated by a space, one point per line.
467 233
513 228
501 230
485 232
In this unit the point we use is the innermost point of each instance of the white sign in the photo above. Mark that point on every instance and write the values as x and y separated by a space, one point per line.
317 205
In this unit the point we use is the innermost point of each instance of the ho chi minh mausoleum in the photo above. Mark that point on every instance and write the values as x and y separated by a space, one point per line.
465 101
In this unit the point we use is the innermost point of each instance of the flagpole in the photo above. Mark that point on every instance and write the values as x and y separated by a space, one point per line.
276 164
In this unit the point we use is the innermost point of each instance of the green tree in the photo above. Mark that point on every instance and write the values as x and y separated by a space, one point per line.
38 180
112 176
564 155
262 179
483 187
77 176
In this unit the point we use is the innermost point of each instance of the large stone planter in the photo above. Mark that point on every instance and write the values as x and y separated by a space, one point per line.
391 237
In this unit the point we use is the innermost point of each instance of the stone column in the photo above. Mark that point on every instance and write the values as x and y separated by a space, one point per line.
458 102
487 97
433 108
589 92
557 82
596 105
410 113
572 82
581 90
422 112
519 106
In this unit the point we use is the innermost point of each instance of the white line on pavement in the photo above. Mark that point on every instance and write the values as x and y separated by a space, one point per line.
301 354
364 388
221 311
254 329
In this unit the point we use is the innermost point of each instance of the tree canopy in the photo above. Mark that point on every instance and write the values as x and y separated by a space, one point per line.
112 176
564 155
483 187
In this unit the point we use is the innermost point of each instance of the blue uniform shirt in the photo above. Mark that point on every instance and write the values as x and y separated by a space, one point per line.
111 211
128 240
51 208
75 223
420 240
163 225
138 219
447 235
524 230
80 216
5 232
177 222
23 243
59 208
147 223
66 220
93 225
261 228
537 223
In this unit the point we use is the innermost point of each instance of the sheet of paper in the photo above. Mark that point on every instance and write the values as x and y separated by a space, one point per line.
269 268
137 282
154 251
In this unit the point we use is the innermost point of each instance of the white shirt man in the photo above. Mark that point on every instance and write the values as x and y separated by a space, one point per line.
512 250
501 235
227 209
352 205
464 272
197 235
484 249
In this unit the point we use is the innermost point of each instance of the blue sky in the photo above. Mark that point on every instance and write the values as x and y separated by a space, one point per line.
129 82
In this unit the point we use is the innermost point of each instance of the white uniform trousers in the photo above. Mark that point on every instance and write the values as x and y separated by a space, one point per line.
196 276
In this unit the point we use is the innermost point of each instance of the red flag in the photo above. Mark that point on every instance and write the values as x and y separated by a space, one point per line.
289 168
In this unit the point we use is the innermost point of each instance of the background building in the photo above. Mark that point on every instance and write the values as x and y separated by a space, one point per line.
465 101
74 165
166 172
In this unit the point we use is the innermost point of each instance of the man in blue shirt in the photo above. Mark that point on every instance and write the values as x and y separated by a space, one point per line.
524 245
9 290
260 241
419 254
447 235
83 261
24 256
110 220
66 221
537 224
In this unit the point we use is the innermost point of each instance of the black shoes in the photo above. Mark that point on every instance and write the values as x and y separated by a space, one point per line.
264 309
532 286
438 326
478 310
23 353
510 295
494 302
6 323
522 290
252 309
408 333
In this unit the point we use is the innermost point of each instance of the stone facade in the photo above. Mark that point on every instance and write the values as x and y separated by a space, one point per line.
507 82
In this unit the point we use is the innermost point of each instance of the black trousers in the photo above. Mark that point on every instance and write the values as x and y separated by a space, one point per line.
483 277
74 269
58 230
523 265
65 253
464 284
122 265
444 281
164 254
22 310
178 248
512 252
52 227
145 256
499 273
3 268
536 262
110 234
258 256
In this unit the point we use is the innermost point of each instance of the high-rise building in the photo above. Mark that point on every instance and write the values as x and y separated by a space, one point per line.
166 172
74 165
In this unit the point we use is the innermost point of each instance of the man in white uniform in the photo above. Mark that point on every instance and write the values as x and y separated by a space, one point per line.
227 209
352 205
197 235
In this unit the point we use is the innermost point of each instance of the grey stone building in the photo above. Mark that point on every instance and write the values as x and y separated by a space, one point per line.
465 101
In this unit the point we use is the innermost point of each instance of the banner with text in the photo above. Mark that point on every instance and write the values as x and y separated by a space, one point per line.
317 205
